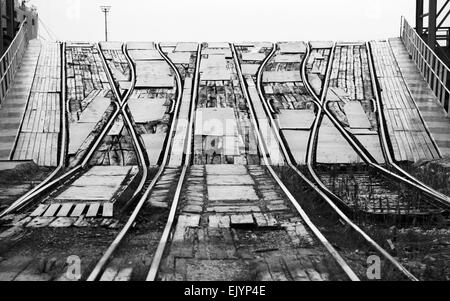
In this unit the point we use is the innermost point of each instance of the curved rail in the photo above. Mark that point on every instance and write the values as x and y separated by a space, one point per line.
384 132
438 197
336 256
157 258
49 183
36 190
292 165
119 238
123 103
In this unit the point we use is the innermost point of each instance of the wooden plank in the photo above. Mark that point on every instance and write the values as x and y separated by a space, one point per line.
39 210
42 149
93 210
78 211
51 211
65 210
108 210
54 150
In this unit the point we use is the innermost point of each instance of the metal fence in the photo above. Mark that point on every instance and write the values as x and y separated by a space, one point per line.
11 60
432 68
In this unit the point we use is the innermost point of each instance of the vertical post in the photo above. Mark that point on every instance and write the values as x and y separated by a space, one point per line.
106 10
432 24
106 26
2 41
11 26
419 17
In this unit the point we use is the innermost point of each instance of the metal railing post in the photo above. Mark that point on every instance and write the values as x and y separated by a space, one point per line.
11 60
434 71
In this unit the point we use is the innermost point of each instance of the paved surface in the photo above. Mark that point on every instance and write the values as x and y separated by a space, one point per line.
152 98
291 101
88 94
431 110
255 236
221 90
233 222
184 56
351 95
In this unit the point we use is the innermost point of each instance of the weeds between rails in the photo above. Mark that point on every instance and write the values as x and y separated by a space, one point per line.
423 248
350 245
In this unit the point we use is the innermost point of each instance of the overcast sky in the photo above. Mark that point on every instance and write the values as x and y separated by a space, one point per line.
225 20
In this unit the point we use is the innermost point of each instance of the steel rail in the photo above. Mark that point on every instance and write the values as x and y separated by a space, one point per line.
157 258
336 256
119 238
384 130
438 197
49 183
61 163
320 190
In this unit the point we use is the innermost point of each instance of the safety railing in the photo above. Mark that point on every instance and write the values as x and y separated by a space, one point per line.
11 60
432 68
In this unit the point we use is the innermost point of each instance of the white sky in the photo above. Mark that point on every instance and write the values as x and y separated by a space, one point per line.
226 20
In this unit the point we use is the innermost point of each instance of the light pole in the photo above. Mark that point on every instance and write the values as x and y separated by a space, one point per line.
106 10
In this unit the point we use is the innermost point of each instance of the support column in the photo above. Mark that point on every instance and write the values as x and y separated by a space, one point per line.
419 17
2 41
11 26
432 24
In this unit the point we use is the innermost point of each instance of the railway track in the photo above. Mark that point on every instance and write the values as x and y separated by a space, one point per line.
419 202
183 223
317 185
56 221
117 261
36 190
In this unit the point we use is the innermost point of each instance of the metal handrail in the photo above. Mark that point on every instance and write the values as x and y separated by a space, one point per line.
11 60
433 69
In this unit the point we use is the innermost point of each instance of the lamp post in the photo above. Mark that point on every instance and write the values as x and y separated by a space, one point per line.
106 10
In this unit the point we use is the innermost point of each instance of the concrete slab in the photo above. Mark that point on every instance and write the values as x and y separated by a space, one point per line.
180 57
250 56
373 146
226 170
222 45
296 119
218 51
109 170
145 55
154 145
151 68
186 47
88 193
356 116
281 76
293 47
298 144
78 133
229 180
98 184
232 193
321 44
216 75
146 110
140 45
95 110
215 122
111 45
288 58
249 69
332 146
